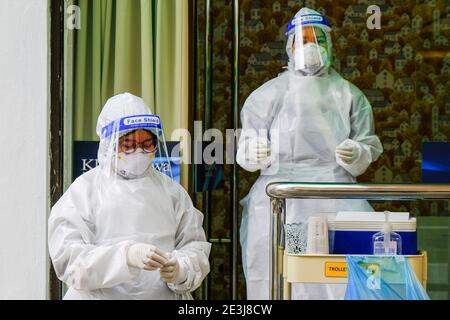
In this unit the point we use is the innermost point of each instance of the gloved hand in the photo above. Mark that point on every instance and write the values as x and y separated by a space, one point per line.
259 151
145 256
173 272
347 152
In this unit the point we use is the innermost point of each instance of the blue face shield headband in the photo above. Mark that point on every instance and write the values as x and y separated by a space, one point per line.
146 121
309 19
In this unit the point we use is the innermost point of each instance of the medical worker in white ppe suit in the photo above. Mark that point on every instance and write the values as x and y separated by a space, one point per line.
319 128
124 230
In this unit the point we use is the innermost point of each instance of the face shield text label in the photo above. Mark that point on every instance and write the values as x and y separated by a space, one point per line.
141 120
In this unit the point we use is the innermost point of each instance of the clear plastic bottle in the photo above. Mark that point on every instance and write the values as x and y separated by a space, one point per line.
387 242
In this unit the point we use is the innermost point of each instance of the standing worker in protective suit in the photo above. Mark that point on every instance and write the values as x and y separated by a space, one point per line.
306 125
124 230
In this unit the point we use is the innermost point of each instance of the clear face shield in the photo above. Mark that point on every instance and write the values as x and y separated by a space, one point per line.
135 145
310 44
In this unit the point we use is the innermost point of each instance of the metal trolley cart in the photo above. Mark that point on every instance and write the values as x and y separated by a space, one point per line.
286 269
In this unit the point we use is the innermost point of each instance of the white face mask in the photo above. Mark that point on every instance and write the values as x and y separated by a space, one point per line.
134 165
315 57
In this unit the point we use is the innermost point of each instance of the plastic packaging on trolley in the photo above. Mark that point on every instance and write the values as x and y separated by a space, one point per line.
382 278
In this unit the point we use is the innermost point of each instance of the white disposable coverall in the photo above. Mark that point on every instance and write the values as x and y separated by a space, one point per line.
312 115
102 214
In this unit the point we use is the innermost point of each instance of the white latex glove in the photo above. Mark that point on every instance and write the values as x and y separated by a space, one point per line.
173 272
347 152
259 151
145 256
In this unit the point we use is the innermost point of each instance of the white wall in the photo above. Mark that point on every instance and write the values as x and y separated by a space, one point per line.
24 148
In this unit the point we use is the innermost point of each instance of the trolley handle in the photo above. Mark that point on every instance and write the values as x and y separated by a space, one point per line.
280 191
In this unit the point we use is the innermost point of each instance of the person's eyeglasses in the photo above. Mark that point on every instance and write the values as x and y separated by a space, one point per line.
130 146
